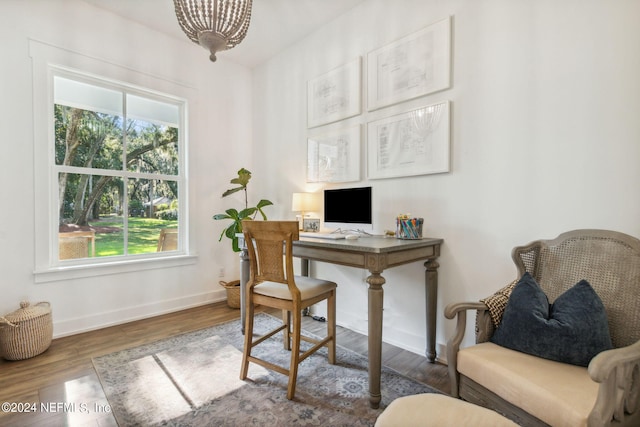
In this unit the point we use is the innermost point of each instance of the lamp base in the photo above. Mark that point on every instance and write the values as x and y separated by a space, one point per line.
300 219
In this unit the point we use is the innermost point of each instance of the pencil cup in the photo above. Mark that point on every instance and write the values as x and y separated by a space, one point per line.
409 228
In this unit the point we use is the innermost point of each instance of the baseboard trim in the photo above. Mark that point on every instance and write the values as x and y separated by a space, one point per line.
349 321
129 314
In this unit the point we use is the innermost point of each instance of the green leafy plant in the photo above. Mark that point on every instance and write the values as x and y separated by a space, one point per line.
236 217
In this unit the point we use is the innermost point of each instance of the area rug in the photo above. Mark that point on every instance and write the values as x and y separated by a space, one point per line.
193 380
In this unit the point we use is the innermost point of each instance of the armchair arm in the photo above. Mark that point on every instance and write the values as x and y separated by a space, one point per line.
484 327
459 310
454 308
618 372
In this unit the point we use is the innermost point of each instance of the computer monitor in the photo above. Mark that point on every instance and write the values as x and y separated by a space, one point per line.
348 208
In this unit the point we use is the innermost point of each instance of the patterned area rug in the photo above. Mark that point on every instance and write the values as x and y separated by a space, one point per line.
193 380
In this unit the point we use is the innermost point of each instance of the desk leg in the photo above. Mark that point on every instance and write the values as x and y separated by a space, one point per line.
244 278
376 296
304 267
304 271
431 285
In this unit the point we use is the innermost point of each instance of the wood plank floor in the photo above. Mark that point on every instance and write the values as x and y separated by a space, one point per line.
64 380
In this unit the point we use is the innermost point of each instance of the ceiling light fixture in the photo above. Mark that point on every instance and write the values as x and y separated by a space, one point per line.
214 24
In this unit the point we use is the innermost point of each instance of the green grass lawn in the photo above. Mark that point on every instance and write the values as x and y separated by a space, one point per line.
143 235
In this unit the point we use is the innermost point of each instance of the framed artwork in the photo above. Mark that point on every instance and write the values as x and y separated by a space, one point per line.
411 143
334 156
413 66
311 224
335 95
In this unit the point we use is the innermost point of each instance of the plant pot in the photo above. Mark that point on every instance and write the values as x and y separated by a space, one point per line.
233 292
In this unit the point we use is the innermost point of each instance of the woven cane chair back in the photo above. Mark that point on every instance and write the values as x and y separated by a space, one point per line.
270 250
608 260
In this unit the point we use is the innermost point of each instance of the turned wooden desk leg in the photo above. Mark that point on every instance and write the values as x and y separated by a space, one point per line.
376 296
431 284
244 278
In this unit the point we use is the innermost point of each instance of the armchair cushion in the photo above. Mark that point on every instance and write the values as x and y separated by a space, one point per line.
557 393
571 330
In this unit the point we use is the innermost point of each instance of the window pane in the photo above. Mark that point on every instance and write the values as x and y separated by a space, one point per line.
90 216
153 207
86 96
152 148
149 110
87 138
103 130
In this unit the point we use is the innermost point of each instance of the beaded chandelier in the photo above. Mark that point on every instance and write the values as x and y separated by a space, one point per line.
214 24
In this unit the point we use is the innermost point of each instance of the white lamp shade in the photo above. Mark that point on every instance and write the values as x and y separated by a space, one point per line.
303 202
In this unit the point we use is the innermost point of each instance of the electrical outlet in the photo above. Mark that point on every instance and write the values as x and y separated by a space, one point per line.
221 272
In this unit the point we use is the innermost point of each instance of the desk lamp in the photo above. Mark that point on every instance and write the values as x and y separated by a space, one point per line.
302 202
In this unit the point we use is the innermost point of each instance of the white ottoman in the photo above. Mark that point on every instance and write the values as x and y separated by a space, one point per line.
438 410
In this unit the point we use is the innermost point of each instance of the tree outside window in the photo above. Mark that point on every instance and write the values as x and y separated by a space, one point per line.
118 167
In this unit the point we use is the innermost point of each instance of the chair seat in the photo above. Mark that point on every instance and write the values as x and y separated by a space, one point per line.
309 288
556 393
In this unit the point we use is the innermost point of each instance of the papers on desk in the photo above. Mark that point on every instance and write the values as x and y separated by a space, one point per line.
331 236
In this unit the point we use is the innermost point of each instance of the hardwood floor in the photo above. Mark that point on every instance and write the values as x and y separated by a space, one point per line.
63 378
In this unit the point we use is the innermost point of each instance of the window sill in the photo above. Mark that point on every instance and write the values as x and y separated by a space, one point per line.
54 274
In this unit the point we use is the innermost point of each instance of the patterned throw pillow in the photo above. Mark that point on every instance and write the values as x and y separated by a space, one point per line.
498 302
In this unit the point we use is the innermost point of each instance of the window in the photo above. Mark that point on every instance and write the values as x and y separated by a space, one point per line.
110 167
118 170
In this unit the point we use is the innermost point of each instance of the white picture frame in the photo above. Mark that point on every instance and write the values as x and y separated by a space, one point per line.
335 95
411 143
334 156
413 66
311 224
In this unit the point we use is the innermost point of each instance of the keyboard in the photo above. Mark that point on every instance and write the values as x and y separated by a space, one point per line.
331 236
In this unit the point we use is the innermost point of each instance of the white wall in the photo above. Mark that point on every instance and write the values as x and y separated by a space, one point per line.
219 132
545 138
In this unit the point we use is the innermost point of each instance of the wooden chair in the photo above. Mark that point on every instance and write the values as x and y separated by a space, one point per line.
535 391
273 284
75 244
168 240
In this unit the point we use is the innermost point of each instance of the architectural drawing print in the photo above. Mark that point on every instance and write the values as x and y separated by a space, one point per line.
335 95
413 66
412 143
334 157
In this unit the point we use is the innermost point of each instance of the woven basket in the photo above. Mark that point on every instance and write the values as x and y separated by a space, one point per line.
26 332
233 293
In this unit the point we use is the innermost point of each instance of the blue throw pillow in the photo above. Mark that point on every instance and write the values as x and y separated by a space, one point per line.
571 330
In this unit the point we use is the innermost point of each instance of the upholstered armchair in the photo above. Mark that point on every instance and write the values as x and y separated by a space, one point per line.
537 391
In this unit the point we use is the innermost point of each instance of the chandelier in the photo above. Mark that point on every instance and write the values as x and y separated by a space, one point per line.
214 24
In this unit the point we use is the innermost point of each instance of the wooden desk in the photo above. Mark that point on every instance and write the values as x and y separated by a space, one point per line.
374 254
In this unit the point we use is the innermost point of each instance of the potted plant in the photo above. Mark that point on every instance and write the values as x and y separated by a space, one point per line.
247 213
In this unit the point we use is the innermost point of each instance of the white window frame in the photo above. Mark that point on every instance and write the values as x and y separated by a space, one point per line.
49 61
